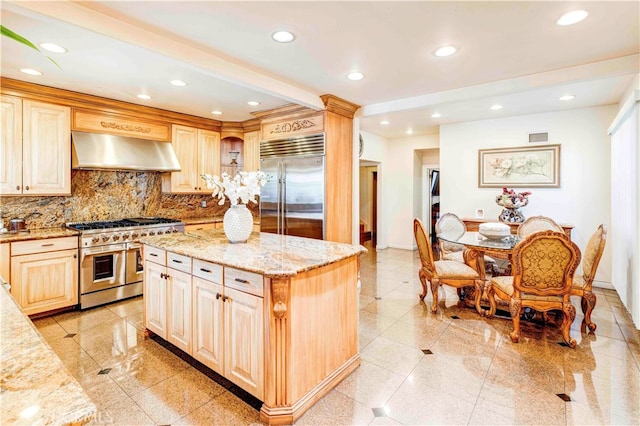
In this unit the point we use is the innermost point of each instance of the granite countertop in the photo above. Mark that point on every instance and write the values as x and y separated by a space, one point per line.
271 255
203 220
37 234
35 387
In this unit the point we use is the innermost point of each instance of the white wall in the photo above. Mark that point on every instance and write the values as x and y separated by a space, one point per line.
624 233
583 198
402 183
375 150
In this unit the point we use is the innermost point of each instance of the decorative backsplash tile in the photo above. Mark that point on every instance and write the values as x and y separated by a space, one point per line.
105 195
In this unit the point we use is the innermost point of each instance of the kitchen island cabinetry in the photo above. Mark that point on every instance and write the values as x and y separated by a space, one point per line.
44 274
198 152
36 144
278 315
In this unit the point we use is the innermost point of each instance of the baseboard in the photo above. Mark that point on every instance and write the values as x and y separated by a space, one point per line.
402 247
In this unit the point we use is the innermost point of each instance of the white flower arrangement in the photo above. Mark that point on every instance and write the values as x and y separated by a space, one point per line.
242 188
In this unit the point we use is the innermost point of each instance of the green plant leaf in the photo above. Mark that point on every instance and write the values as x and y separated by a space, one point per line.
17 37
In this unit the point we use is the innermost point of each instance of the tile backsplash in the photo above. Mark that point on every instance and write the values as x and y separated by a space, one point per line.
105 195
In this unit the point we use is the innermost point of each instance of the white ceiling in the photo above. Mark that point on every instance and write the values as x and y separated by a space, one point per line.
511 53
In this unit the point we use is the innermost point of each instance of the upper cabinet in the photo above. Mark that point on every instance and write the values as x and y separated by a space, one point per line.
198 153
36 148
231 155
251 151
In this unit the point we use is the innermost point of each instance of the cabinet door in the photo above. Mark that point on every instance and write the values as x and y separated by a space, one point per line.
244 341
251 151
208 156
45 281
155 298
208 321
10 146
179 309
46 149
185 144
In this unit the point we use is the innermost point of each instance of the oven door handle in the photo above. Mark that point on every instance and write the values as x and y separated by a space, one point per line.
113 248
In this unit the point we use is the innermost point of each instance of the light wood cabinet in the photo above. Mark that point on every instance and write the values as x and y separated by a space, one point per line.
202 226
155 298
11 146
244 341
44 280
36 148
5 261
179 309
208 321
251 151
198 152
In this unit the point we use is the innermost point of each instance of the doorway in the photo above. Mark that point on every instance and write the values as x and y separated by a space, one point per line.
369 203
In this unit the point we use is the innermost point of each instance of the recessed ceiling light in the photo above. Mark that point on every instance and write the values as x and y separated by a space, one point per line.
52 47
253 103
283 36
436 115
409 131
571 18
216 112
178 83
384 122
445 51
496 107
566 97
30 71
143 96
355 76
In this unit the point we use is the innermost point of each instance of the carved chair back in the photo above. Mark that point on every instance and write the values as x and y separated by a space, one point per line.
592 255
424 248
537 224
544 264
454 227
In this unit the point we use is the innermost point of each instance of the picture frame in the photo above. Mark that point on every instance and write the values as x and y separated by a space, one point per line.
519 167
479 213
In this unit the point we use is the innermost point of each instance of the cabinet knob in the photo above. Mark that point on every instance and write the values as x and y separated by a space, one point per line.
18 187
26 187
75 256
218 296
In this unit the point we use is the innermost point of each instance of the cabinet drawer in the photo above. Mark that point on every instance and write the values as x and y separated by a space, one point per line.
43 245
243 281
201 227
155 255
179 262
207 271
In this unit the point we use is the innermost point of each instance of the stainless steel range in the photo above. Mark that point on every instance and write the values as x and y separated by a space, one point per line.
111 264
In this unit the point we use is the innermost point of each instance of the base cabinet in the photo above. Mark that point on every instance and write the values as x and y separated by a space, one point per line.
43 282
155 298
208 320
179 309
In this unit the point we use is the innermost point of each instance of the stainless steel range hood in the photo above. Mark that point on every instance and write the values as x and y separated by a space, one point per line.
95 151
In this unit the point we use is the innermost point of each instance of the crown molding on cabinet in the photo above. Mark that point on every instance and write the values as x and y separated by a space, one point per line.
339 106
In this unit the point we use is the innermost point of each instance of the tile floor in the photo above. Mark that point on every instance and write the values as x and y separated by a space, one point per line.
453 367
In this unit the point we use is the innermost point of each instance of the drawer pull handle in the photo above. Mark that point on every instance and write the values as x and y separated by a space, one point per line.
208 271
240 280
47 245
153 254
176 261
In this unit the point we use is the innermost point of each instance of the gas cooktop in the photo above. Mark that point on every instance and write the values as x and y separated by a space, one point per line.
121 223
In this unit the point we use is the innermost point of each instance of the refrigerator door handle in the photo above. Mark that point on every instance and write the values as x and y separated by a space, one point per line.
283 197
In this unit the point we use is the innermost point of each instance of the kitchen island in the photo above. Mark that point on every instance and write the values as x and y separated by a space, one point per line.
277 316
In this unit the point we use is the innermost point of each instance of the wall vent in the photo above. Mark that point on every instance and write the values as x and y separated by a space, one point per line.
539 137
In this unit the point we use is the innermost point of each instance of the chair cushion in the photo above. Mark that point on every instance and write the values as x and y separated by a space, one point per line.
452 269
505 284
457 256
578 282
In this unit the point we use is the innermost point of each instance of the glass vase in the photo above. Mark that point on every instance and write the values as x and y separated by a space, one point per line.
238 223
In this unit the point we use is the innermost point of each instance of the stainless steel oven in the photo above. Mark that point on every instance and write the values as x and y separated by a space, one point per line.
111 266
102 267
134 271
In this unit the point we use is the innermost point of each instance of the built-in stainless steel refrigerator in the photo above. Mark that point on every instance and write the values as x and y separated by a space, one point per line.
292 201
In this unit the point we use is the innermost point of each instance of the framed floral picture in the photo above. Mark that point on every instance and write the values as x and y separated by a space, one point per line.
530 167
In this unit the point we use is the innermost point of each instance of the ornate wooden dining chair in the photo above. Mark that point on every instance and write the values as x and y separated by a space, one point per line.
454 227
544 264
449 272
537 224
451 225
582 283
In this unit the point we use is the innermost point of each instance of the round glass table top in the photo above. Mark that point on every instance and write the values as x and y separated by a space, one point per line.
474 239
